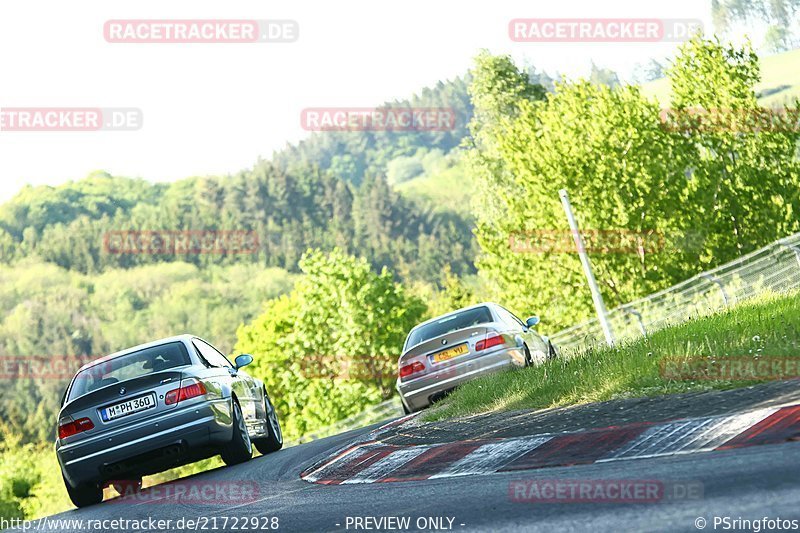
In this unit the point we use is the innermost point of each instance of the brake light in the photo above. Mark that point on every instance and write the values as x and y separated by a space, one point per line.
184 392
489 341
413 368
67 427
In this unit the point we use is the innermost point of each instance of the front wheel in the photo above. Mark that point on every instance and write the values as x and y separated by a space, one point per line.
274 439
240 449
84 495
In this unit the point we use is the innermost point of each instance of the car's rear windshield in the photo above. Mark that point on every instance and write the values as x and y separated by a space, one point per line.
448 323
129 366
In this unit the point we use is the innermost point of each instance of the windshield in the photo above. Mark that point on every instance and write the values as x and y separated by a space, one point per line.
129 366
448 323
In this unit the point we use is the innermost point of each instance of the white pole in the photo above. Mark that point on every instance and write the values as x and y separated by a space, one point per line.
599 305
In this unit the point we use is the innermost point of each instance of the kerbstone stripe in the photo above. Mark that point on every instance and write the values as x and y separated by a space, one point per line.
780 426
491 457
687 436
373 461
387 465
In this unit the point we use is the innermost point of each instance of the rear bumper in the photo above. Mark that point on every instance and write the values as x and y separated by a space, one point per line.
149 446
417 393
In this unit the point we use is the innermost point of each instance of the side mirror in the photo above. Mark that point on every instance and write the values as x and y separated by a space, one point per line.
243 360
532 321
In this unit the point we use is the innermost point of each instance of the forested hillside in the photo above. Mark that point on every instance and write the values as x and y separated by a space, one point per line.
64 293
329 190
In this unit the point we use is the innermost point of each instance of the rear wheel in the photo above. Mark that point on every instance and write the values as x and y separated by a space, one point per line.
551 351
84 495
240 449
274 439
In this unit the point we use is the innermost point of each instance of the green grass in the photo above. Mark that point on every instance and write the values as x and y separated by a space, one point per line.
765 327
780 81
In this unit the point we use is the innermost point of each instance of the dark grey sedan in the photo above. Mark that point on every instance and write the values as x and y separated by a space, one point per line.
156 406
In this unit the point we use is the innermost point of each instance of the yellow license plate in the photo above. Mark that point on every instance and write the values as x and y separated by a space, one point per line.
449 354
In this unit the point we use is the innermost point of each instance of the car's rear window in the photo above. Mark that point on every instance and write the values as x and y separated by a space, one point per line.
448 323
129 366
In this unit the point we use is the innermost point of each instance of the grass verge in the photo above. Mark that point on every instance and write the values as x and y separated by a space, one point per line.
760 330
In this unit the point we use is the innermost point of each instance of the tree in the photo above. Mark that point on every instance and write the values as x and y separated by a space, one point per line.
628 174
779 14
330 347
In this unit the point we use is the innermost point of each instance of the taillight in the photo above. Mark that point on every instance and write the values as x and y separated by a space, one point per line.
413 368
67 427
184 392
489 341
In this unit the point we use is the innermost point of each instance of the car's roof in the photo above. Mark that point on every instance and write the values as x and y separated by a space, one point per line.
434 319
184 337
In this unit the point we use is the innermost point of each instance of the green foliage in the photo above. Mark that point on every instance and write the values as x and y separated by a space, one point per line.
444 186
779 14
330 347
53 313
626 172
288 212
402 169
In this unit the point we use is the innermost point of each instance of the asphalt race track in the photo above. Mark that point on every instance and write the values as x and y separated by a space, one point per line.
749 483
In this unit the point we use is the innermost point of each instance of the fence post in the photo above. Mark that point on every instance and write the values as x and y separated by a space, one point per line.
715 280
795 249
599 305
638 316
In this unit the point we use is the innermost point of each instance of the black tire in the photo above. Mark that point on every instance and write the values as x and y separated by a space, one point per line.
551 351
274 439
240 449
84 495
528 360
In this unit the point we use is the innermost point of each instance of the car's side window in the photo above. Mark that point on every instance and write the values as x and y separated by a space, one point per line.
210 354
509 317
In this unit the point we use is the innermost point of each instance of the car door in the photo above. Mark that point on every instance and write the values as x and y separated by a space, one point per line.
241 383
533 340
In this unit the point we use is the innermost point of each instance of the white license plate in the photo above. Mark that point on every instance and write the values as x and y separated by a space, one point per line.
135 405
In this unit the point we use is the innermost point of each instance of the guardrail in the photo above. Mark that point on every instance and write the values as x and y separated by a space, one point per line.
773 268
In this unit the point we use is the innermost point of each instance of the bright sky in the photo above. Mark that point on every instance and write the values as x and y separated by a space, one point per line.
215 108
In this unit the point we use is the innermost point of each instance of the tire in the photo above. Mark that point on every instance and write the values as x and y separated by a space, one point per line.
274 439
84 495
551 351
528 360
240 449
